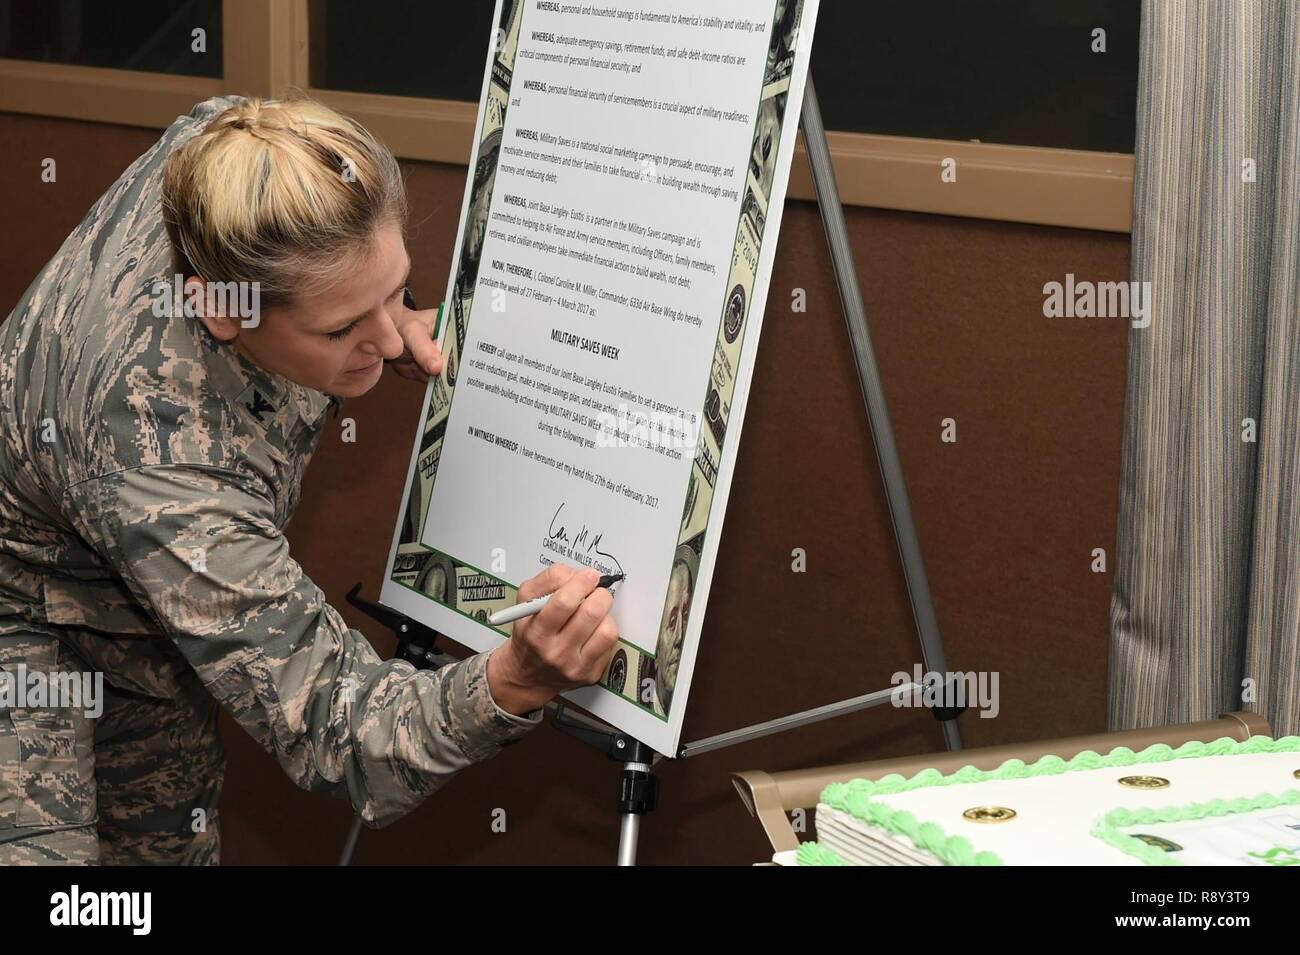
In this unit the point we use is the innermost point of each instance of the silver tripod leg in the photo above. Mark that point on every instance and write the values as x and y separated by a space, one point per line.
891 469
350 844
629 828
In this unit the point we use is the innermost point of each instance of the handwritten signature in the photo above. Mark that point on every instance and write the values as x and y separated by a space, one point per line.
583 538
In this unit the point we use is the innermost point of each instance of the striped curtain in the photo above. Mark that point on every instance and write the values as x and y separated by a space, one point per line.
1205 616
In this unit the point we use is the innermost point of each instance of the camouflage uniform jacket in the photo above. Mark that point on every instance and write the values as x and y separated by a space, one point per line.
147 472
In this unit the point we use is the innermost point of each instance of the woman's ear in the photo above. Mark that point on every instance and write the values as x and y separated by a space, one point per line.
195 305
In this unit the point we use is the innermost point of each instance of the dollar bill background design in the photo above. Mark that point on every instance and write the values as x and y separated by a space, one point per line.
762 166
643 679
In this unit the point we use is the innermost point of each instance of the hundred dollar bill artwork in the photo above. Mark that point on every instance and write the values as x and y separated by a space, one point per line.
616 241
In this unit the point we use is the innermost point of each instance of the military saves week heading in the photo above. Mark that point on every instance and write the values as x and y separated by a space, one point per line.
581 342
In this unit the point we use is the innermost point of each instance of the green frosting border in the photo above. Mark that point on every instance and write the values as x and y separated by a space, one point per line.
853 797
810 853
1107 828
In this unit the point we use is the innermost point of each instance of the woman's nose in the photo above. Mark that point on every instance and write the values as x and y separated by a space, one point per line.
387 338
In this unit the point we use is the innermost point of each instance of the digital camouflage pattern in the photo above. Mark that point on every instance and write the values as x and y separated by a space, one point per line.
147 472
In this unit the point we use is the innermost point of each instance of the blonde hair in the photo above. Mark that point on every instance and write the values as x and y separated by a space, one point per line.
279 192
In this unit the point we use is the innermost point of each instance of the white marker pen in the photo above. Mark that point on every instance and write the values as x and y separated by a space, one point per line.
511 614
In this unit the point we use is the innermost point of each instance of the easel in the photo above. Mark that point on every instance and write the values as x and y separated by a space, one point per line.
638 786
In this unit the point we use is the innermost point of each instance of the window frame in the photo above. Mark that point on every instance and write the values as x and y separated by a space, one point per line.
266 52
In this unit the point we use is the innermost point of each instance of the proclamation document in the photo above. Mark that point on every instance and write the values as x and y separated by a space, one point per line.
616 241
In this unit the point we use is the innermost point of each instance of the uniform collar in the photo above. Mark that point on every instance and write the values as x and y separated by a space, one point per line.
266 396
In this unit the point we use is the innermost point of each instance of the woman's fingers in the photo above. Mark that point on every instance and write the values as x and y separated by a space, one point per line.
566 600
599 649
416 329
573 637
548 581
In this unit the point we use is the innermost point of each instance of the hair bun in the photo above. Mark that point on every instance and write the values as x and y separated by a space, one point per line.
252 115
270 206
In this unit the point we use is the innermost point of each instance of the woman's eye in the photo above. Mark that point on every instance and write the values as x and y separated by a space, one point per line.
342 333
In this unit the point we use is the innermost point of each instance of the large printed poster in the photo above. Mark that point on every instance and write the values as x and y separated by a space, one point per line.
603 313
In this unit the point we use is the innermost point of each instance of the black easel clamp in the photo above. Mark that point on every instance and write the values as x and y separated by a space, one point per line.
638 790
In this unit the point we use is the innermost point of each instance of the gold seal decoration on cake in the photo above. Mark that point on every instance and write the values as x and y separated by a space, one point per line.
1296 774
989 814
1144 782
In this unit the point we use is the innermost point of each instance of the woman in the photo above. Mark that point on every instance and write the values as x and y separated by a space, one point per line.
152 446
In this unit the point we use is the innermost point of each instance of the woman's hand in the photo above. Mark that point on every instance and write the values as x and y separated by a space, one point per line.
422 358
566 644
